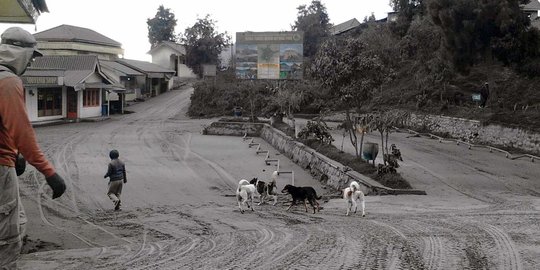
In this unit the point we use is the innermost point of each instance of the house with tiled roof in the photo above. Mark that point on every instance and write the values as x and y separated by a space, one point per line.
133 81
73 40
157 78
66 87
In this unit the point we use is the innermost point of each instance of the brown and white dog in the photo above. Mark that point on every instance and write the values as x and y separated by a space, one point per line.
244 193
302 194
352 195
266 189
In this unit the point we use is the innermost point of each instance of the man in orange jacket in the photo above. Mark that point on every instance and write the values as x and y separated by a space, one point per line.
17 49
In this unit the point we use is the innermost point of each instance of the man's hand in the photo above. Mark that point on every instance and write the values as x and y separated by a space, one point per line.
125 180
57 184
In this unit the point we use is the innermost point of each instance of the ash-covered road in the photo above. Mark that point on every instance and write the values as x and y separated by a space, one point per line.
178 212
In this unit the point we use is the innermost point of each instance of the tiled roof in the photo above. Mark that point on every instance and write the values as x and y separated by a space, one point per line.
66 62
344 27
143 66
76 77
75 68
174 46
118 67
72 33
44 72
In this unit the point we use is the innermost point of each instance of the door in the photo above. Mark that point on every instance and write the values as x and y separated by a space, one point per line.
71 104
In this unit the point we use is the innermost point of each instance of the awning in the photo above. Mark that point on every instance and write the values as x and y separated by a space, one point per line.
21 11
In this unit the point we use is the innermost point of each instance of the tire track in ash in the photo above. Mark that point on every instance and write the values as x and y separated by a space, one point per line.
507 254
440 178
299 230
172 250
409 257
230 184
163 254
79 236
348 246
49 223
67 165
340 250
434 252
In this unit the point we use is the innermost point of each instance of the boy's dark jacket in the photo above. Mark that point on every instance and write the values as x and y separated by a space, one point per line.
116 171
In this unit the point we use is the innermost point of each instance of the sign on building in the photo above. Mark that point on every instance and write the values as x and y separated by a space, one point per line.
269 55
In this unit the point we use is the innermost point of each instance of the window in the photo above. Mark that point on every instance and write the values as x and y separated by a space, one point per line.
49 101
90 97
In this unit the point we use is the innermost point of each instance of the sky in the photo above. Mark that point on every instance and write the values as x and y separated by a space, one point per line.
125 20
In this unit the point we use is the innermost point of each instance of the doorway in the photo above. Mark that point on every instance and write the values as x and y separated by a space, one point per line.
71 104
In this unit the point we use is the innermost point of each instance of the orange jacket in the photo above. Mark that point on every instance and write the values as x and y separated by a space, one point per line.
16 132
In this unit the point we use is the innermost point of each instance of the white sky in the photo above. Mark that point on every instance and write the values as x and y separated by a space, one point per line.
125 20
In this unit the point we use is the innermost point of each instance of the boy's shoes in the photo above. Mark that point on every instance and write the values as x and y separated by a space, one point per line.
117 205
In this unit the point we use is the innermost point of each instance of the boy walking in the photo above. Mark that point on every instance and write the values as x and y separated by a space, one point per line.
117 178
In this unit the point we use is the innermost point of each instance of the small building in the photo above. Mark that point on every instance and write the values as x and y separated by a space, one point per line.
133 81
157 80
172 56
66 87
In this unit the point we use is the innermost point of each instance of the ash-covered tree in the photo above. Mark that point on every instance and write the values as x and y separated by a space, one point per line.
355 71
203 44
407 10
313 20
480 30
161 27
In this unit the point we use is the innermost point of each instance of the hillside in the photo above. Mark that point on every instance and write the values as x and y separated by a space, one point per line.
514 99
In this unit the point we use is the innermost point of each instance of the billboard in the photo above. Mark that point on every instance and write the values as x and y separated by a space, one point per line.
269 55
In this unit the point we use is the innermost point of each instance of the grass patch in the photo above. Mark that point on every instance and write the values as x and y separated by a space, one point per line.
357 164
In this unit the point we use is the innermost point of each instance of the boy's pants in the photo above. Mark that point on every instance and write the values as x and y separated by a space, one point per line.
11 214
115 189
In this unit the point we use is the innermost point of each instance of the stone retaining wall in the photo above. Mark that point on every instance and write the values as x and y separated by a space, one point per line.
474 132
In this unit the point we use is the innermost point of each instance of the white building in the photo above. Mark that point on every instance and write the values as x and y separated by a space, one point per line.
66 87
172 56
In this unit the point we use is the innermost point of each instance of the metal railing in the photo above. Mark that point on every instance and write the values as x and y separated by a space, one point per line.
267 159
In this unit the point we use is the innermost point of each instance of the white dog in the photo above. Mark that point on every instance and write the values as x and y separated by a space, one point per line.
245 192
266 189
352 194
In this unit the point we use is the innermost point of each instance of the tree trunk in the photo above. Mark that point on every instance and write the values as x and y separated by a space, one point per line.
382 147
362 142
352 132
386 143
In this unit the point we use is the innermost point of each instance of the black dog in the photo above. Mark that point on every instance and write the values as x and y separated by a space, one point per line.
302 194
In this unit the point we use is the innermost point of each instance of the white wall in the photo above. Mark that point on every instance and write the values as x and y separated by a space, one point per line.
86 112
185 72
32 107
161 57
